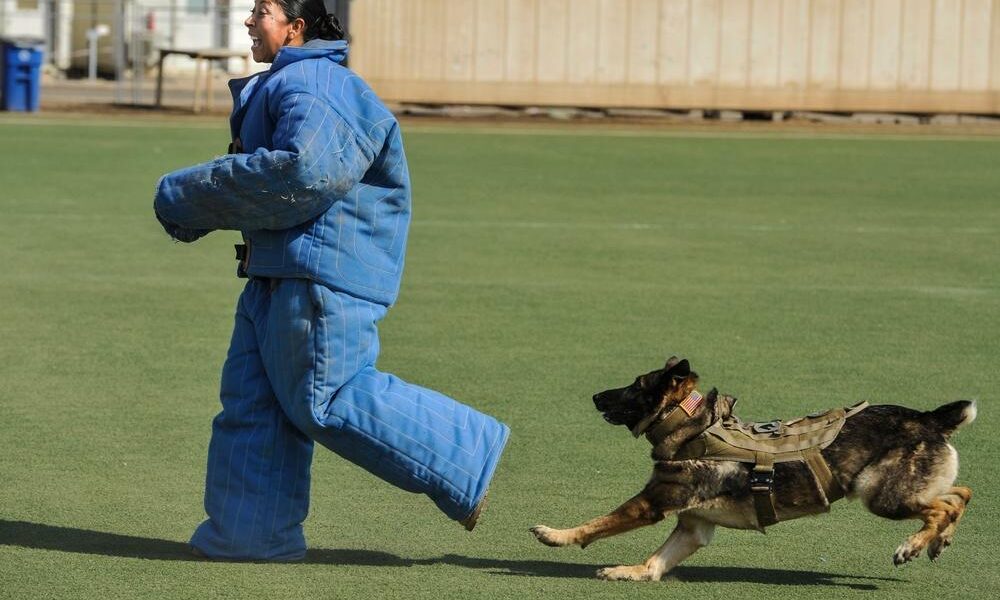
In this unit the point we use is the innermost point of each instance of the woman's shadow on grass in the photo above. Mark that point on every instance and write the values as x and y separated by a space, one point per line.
84 541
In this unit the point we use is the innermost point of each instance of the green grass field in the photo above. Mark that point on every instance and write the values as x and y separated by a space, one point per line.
796 271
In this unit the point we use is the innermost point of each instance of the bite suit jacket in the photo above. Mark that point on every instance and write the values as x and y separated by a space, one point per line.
321 189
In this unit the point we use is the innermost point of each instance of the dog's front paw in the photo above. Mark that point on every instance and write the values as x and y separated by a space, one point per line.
906 552
551 537
625 573
937 546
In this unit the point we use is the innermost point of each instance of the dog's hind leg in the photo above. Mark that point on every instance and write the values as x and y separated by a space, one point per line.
939 518
690 534
637 512
959 498
916 483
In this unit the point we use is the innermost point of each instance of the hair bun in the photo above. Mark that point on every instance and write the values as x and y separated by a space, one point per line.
329 28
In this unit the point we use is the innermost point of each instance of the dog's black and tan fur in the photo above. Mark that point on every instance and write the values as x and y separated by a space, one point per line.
897 461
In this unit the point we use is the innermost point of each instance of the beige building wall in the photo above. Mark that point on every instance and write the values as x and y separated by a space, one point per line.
830 55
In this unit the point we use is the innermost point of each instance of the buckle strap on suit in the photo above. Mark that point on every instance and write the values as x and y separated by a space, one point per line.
243 258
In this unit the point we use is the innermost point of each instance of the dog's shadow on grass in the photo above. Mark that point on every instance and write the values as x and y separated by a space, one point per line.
775 577
84 541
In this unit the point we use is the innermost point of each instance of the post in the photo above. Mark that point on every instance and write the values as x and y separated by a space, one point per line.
159 79
137 50
50 28
209 96
173 24
119 50
197 83
94 34
92 55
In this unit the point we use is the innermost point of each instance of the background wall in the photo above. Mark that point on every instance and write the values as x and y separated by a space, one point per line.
834 55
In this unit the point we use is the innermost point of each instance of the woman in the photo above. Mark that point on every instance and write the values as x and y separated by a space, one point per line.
318 184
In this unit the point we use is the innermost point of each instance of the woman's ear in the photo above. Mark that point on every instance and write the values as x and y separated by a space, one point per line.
296 32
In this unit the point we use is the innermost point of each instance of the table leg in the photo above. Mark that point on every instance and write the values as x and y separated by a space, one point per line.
159 80
197 84
209 95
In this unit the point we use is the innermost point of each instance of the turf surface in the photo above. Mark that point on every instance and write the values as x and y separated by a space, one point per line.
797 272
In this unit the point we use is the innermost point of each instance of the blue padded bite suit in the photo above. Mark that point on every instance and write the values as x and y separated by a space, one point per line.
322 195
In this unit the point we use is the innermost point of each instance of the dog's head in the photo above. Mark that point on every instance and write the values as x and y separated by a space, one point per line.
650 394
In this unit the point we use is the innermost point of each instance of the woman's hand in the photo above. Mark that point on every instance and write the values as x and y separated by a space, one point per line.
180 234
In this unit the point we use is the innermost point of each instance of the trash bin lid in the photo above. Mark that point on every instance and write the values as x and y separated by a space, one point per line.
23 41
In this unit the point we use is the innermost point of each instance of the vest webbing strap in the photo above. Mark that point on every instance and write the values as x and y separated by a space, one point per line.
824 476
762 486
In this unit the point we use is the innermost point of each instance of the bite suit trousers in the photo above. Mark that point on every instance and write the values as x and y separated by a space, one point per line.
300 370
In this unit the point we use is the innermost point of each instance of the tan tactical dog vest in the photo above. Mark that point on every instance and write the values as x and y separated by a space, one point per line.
764 444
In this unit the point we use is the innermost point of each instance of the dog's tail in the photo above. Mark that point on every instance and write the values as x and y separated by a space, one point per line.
952 416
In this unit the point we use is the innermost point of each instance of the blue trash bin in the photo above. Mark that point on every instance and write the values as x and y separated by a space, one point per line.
20 71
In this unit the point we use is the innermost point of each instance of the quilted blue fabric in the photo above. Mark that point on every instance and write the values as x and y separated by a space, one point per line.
320 189
301 368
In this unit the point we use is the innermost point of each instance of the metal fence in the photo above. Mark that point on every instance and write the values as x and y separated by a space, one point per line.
120 40
108 35
126 30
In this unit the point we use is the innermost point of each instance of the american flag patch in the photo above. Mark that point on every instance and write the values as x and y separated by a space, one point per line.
691 403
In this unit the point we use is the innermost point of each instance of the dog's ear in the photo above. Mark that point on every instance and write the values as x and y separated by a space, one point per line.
723 405
674 372
676 368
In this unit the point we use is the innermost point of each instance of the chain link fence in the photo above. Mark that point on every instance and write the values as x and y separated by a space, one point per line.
119 41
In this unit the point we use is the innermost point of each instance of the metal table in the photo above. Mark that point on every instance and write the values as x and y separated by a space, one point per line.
201 56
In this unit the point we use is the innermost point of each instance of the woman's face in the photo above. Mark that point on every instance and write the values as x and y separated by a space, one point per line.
269 30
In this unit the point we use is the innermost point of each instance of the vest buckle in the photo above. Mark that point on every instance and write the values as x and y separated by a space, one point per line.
762 480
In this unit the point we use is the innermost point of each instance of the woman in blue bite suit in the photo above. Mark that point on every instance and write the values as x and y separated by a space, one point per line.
318 184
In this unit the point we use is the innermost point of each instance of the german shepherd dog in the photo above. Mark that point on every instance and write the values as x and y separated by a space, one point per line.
897 461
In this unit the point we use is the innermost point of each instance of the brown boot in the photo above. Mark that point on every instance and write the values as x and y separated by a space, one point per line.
470 521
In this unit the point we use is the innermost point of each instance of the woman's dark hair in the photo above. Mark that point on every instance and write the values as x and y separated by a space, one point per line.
319 23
